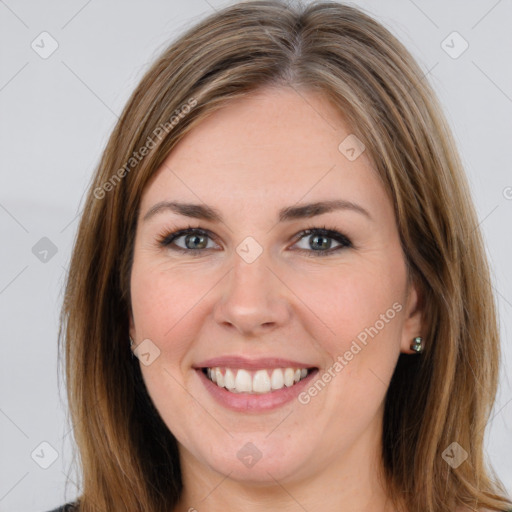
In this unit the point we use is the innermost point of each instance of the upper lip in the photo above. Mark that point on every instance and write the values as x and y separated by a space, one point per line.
252 364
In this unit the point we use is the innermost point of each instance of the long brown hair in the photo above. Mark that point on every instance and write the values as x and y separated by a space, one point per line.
127 456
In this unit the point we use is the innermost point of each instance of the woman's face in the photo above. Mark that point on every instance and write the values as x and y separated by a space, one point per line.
255 303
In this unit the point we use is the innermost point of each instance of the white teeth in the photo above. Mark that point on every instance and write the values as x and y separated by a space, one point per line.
243 382
277 379
229 379
218 377
260 381
288 377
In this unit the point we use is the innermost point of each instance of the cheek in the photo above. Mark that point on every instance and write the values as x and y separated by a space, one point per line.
354 302
164 300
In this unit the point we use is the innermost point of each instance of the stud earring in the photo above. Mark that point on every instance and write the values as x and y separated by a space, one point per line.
417 344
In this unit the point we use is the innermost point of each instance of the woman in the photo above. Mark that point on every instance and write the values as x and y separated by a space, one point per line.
281 231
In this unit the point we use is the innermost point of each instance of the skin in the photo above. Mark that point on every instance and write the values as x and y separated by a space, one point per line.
270 150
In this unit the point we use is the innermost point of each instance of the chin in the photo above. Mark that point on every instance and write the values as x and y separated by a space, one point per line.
258 463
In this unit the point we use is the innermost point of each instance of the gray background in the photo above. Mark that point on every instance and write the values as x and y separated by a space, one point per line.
55 116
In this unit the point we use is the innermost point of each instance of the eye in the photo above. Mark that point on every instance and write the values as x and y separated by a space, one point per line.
194 241
319 241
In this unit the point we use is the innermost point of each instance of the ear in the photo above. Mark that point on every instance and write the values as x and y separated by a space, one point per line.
413 322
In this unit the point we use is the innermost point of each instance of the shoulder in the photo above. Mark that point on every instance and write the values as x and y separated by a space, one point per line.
68 507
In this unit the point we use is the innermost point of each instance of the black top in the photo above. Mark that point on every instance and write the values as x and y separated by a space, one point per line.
68 507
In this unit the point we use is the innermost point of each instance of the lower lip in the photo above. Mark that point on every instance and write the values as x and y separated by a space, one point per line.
245 402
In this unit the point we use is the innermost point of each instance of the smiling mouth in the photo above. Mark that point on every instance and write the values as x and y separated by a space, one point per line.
255 382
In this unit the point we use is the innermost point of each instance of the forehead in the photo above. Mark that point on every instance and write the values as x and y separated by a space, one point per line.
273 146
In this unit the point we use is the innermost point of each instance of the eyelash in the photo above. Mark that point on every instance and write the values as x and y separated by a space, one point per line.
166 238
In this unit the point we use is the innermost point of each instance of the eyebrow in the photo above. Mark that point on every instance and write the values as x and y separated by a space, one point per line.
305 211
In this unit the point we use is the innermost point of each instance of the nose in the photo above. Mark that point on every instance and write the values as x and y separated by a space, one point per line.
254 300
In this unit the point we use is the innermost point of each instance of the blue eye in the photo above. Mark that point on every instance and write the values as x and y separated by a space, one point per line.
196 241
320 241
